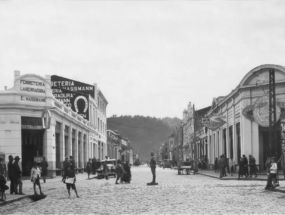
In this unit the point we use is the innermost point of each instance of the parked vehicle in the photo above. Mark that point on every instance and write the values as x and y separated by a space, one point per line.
107 168
166 164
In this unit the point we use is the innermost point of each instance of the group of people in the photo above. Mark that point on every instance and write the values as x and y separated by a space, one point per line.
13 173
247 167
123 172
92 166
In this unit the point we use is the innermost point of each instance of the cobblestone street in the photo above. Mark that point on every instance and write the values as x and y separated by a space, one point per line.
174 194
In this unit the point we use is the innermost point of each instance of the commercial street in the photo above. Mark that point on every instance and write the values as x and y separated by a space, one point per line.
174 194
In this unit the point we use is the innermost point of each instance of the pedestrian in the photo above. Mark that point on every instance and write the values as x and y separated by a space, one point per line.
127 172
282 162
245 165
18 177
3 169
72 162
222 166
94 166
252 166
216 164
11 174
44 166
272 175
152 164
35 177
119 172
106 170
69 179
89 167
240 168
231 166
3 174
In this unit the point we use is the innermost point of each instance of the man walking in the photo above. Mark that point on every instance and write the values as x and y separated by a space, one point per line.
152 164
11 174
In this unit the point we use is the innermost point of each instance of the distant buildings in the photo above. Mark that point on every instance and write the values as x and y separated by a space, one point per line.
119 148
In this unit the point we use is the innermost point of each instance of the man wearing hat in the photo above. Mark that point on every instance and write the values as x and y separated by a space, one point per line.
18 176
152 164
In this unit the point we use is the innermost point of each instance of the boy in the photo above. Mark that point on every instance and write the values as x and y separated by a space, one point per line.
35 178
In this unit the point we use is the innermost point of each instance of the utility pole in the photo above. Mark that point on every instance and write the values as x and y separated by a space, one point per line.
272 114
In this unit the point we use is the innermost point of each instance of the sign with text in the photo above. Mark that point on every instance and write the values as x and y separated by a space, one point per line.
31 122
36 87
73 94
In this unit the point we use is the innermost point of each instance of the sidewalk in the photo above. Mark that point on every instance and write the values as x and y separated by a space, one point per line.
260 176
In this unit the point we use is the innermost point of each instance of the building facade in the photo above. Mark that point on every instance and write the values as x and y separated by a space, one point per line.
239 122
188 132
34 124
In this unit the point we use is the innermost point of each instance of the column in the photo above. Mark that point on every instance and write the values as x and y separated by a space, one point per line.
62 143
69 151
49 148
76 148
81 151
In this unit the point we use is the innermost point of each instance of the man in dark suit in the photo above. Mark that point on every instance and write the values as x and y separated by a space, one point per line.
152 164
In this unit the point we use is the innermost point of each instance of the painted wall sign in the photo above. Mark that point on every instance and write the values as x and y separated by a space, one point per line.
73 94
32 86
261 112
32 99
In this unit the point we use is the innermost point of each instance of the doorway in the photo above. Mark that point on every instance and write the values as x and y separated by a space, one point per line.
32 146
264 147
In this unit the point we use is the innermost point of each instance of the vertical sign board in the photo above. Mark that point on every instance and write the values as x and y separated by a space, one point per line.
73 94
283 134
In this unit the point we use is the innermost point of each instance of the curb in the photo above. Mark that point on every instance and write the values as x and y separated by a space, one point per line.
236 179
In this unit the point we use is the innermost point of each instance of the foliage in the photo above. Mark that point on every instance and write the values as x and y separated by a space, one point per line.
145 133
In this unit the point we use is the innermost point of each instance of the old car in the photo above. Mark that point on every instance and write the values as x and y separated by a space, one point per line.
107 168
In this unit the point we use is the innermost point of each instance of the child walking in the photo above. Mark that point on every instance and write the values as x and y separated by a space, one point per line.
35 178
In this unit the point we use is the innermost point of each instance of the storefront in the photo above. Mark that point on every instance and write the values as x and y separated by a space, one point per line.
239 122
33 124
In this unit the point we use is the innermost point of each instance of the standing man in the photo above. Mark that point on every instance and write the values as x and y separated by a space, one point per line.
18 176
152 164
252 166
11 174
44 166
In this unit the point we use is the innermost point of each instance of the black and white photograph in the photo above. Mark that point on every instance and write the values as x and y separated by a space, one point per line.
142 107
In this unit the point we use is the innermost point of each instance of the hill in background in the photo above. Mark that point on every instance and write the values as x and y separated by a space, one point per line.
145 133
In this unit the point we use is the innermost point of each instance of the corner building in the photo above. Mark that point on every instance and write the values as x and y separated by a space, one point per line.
34 124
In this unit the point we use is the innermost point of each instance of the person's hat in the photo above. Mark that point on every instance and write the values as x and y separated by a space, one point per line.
17 158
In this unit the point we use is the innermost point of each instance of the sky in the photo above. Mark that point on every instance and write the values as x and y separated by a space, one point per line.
148 57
